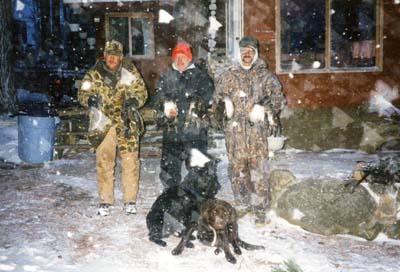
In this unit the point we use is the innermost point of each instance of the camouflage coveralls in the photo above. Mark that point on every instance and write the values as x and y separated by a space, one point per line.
111 93
246 142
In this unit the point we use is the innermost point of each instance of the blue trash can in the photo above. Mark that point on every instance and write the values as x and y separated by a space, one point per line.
36 130
35 138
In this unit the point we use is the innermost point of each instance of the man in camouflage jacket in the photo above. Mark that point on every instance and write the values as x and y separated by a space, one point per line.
115 87
183 95
252 99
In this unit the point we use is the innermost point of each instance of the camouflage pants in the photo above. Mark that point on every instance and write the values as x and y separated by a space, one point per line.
250 184
248 168
105 162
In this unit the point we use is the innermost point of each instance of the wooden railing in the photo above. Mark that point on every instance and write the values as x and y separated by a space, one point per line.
71 133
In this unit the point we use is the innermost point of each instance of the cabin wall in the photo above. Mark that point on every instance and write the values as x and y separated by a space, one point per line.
304 90
315 90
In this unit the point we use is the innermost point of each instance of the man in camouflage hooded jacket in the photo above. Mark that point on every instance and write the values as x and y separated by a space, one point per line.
115 87
252 99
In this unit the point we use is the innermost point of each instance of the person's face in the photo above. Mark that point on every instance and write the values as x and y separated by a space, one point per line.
112 61
181 61
247 55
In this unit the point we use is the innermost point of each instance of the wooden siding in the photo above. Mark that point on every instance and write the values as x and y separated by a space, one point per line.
314 90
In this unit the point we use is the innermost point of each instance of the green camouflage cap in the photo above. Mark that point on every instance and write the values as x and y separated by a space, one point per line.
113 47
248 42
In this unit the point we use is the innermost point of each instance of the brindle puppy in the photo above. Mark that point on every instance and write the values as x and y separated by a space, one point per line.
217 226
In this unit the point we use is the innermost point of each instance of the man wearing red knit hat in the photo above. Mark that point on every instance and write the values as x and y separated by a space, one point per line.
183 95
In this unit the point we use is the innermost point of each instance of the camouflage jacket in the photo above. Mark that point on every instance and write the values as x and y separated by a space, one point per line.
193 85
245 88
112 89
248 87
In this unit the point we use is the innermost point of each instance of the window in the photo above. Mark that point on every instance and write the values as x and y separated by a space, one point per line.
344 36
134 31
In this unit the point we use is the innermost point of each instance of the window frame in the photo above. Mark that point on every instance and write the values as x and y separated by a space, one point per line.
234 27
328 69
134 15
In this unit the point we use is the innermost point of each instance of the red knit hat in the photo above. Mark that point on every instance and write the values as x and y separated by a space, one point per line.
182 48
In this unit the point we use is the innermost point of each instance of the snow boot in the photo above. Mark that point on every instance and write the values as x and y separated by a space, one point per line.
242 210
130 208
260 218
104 209
261 215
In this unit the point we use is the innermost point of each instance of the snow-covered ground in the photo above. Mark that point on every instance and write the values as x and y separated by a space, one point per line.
48 221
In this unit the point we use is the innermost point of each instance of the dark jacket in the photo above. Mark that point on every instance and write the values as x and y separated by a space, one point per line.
192 86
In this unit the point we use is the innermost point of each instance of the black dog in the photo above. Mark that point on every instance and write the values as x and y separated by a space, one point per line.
177 206
217 226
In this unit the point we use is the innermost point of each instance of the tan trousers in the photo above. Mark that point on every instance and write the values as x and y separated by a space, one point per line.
105 164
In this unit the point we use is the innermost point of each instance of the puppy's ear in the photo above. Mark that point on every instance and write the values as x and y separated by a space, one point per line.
205 218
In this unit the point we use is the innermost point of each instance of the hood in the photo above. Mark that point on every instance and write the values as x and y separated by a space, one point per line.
239 59
190 66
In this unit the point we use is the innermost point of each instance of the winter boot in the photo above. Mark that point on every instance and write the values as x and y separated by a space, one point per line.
130 208
261 216
242 209
104 209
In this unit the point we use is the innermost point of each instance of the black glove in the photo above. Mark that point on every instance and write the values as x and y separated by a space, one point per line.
130 115
218 116
93 101
130 103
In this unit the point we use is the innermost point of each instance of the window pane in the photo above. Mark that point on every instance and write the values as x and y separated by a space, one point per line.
140 34
119 31
353 33
302 34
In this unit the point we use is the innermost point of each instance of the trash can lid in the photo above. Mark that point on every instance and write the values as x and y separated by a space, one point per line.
37 109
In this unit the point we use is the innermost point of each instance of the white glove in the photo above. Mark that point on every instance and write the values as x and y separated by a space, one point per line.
271 120
257 113
86 85
191 109
126 77
170 109
197 158
228 107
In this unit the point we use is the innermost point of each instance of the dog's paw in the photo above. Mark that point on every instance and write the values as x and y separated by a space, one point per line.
158 241
237 251
176 251
230 258
217 251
